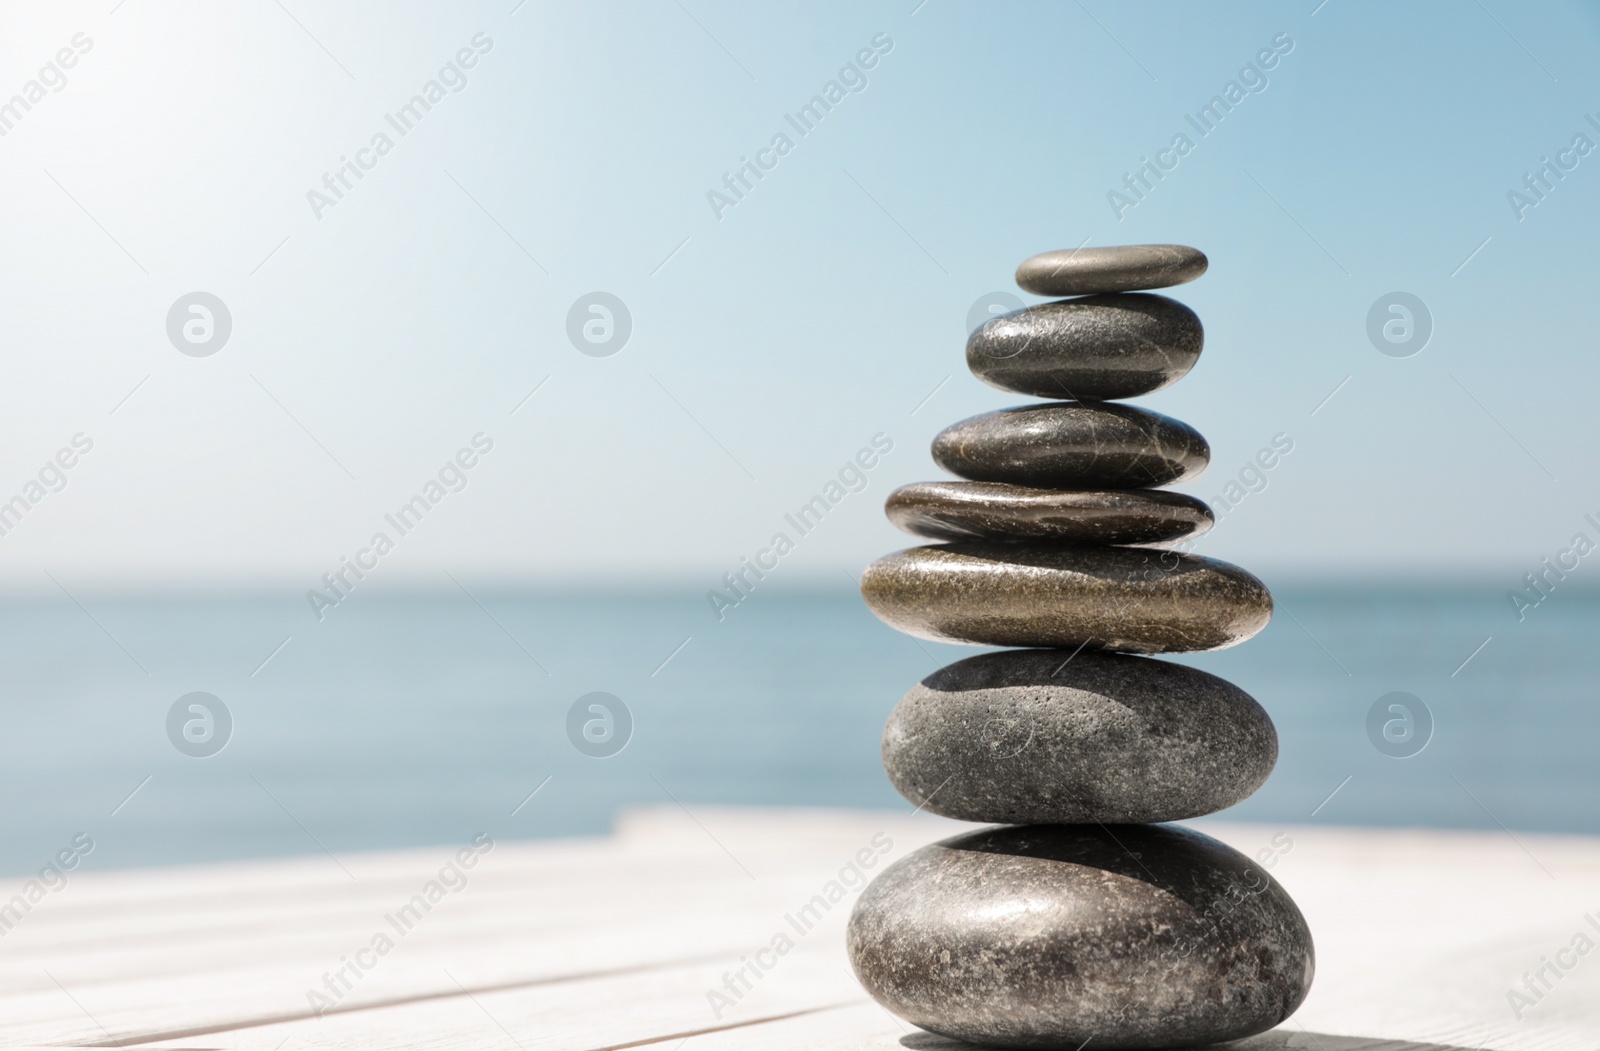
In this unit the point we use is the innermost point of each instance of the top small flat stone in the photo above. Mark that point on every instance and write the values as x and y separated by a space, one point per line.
1123 268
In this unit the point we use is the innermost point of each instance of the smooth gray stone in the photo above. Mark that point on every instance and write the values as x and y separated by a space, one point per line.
1098 347
1053 936
1129 599
1071 445
1046 736
1123 268
996 511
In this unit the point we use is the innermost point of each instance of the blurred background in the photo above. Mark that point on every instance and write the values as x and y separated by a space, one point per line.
536 292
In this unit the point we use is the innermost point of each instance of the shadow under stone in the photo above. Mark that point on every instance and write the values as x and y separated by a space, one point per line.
1276 1040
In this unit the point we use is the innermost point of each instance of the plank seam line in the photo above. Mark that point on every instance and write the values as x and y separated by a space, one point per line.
397 1001
687 1033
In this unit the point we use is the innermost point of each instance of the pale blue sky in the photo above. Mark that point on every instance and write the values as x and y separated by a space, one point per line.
371 343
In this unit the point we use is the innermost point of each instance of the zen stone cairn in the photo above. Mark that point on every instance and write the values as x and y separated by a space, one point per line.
1081 918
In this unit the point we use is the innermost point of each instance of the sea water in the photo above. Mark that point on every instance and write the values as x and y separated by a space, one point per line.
407 721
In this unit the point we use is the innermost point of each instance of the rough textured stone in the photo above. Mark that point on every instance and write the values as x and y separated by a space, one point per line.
1046 736
996 511
1072 445
1116 346
1124 268
1129 599
1050 936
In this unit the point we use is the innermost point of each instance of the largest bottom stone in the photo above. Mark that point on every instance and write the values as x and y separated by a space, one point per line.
1045 936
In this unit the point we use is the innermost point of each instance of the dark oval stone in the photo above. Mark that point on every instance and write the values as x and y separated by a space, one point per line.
996 511
1138 936
1116 346
1072 445
1120 268
1046 736
1129 599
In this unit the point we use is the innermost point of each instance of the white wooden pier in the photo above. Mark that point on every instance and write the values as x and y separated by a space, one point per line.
635 940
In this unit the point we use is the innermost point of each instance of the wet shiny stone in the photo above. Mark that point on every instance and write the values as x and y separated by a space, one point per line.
1142 936
1131 600
1122 268
1098 347
1085 921
1045 736
1000 512
1073 445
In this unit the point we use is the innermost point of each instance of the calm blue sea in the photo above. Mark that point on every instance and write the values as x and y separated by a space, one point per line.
410 721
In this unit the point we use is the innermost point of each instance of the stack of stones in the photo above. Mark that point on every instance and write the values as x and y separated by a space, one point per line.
1081 919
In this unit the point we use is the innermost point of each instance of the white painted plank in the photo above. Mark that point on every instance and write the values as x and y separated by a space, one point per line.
1420 936
600 1013
594 918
